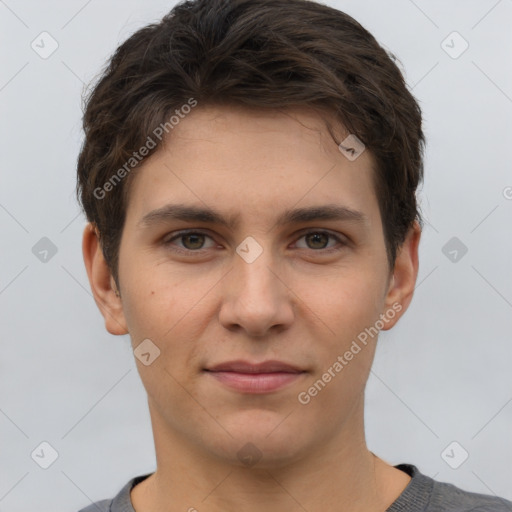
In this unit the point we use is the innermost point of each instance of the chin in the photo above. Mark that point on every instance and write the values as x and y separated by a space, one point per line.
261 439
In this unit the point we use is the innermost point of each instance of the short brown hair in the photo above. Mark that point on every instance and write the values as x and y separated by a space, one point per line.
259 53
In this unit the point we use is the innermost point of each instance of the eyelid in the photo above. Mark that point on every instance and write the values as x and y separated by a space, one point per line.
178 234
338 236
343 241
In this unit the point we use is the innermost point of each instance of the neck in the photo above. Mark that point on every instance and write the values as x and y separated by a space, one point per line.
340 474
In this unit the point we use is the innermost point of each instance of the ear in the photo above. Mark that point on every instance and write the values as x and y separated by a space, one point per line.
102 283
403 281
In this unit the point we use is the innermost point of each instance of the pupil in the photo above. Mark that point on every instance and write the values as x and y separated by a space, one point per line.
197 241
318 237
314 239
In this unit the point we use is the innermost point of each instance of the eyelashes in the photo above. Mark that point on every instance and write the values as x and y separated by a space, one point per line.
197 237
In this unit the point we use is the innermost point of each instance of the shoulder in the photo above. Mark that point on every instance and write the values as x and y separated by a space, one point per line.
448 497
120 503
428 495
98 506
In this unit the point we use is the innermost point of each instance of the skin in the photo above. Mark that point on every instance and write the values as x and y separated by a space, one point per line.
296 303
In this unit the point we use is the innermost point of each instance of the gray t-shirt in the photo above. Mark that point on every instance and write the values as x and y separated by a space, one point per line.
422 494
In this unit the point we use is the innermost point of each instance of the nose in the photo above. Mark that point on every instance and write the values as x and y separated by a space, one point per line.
256 298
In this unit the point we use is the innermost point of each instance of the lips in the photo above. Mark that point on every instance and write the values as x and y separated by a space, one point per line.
247 367
255 378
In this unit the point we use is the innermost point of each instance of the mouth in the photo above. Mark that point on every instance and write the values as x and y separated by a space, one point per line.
255 378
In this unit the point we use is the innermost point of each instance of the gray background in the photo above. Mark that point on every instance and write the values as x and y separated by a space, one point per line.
441 375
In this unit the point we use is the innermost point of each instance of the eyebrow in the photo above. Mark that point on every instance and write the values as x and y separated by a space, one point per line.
173 212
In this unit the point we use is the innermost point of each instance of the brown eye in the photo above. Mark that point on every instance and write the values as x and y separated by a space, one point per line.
320 240
191 241
317 240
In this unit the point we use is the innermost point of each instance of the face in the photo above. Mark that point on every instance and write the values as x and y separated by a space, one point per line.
250 238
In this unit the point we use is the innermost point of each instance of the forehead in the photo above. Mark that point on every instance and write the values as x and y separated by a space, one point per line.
254 161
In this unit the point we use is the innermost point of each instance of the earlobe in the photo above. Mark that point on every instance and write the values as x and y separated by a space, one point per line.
102 283
403 280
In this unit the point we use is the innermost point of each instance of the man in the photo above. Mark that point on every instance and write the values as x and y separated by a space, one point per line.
249 175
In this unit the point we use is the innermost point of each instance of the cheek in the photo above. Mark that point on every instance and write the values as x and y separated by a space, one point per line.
171 311
345 301
153 312
345 354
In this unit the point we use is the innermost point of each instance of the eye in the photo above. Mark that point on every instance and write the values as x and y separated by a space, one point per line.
319 240
196 241
192 241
